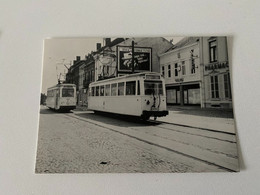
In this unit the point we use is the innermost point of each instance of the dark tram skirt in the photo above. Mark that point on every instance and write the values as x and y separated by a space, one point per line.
67 107
155 113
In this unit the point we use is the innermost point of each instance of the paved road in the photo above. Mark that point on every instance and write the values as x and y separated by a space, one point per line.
84 142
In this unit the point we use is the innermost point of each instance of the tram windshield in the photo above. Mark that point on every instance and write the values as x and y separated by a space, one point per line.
153 88
67 92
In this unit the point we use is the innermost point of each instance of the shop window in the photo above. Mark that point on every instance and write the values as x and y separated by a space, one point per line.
213 57
169 71
107 90
214 87
114 89
130 87
121 88
227 86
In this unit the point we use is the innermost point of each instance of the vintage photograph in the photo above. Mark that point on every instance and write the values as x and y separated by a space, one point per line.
136 105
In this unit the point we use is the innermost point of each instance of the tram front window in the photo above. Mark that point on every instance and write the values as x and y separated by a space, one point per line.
153 88
67 92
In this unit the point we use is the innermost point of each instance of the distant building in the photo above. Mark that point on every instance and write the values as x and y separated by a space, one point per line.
196 72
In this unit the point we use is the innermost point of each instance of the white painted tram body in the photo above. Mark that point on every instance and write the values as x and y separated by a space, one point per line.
141 94
61 97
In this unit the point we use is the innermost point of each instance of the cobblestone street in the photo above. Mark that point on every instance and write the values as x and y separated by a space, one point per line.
83 142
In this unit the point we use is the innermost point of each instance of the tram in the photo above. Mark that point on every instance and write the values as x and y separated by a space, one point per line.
61 97
140 94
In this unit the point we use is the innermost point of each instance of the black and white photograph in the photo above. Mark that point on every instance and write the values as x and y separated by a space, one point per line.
137 105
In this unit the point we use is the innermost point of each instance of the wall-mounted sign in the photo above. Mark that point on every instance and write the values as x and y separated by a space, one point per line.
142 59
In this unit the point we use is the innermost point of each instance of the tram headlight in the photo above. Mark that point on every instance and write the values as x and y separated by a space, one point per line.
148 102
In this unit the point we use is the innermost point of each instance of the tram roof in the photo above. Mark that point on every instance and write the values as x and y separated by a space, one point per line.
62 84
127 76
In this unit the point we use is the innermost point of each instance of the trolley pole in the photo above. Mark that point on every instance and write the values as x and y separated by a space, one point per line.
133 57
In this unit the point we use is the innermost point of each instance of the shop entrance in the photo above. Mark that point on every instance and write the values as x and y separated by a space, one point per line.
190 96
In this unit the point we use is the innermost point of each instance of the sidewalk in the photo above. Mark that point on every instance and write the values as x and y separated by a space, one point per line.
208 118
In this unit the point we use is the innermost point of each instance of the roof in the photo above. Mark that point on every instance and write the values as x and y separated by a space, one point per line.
184 42
127 76
62 84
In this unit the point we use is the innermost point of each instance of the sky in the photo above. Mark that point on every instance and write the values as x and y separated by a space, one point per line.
60 51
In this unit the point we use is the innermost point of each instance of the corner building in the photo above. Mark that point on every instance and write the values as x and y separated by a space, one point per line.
196 72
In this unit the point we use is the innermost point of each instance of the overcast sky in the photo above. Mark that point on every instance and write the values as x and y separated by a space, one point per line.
59 51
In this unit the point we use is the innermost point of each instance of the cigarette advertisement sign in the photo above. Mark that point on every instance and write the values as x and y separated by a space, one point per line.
142 59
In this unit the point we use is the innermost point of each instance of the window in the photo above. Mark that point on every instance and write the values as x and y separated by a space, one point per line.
169 71
130 87
121 88
107 90
163 70
67 92
153 88
113 89
138 87
97 90
102 90
176 69
183 68
214 87
92 91
213 57
227 86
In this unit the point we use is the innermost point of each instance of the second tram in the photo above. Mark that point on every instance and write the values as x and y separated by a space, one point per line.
140 94
61 97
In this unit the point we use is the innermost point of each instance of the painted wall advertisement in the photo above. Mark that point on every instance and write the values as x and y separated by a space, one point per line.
142 59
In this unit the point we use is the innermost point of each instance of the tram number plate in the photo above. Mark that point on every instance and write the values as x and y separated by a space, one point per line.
154 109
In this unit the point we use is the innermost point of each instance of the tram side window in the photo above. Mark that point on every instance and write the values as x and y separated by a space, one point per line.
107 90
121 88
97 90
92 91
102 90
138 87
113 89
130 87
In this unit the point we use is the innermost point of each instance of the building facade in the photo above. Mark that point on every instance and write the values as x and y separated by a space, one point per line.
216 72
196 72
181 69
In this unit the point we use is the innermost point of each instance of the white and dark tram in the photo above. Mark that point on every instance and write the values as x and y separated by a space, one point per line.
140 94
61 97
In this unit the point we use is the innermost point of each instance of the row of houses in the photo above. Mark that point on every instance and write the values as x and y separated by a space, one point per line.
196 69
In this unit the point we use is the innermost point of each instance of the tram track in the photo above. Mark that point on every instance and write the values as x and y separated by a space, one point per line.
149 139
197 128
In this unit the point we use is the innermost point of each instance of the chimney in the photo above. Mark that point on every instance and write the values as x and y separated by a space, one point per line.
98 46
78 58
107 41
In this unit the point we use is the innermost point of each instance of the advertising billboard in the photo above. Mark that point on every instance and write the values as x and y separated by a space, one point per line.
142 59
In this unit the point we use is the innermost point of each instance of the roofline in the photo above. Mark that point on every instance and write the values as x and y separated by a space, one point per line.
174 50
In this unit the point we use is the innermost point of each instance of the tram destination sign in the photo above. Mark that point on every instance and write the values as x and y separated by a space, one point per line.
142 59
